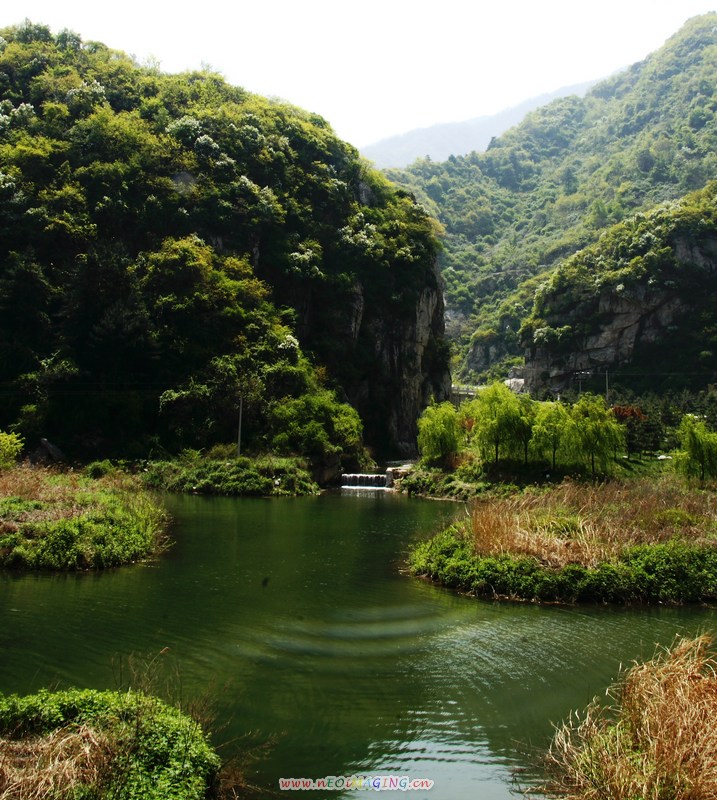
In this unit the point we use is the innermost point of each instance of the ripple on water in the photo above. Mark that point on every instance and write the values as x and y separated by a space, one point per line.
357 638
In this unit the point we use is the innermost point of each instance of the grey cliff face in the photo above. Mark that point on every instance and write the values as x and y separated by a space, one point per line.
636 317
626 319
408 370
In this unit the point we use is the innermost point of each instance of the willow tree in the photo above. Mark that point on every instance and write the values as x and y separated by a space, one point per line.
501 424
438 432
698 456
595 433
551 430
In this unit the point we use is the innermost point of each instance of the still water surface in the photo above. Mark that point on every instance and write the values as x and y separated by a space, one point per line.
293 618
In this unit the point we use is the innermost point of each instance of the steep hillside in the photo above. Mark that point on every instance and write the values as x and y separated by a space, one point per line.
438 142
638 304
169 243
549 186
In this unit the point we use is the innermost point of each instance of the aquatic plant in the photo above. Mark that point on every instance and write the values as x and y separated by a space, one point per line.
656 740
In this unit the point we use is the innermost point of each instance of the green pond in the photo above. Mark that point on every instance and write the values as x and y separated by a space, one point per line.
293 620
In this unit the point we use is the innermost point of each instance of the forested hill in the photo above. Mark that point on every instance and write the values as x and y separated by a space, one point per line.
169 243
551 185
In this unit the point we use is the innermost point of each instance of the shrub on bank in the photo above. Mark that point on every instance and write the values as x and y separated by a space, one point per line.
457 485
657 740
90 744
69 522
674 572
260 477
11 445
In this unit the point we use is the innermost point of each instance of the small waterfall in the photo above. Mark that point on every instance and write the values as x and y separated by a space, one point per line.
360 480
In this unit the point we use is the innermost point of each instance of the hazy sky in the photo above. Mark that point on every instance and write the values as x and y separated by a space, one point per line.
378 67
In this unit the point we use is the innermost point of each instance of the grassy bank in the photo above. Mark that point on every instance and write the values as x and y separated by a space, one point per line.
265 476
634 541
657 740
67 521
85 744
472 478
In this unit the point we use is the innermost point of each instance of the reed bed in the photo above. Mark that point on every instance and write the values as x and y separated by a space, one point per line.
656 741
591 524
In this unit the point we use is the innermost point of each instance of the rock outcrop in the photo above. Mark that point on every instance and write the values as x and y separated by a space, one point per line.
385 347
656 325
411 359
403 365
627 321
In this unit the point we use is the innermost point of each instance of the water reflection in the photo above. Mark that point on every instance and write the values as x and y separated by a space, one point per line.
294 618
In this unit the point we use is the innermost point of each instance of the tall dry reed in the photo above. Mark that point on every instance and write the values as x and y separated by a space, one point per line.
55 765
657 742
592 523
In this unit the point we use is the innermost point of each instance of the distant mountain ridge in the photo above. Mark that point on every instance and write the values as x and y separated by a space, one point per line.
438 142
553 185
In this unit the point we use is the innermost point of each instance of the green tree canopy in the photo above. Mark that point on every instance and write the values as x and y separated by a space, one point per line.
438 432
595 434
698 456
162 238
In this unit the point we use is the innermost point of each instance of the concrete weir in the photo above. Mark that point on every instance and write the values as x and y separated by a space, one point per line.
361 480
374 480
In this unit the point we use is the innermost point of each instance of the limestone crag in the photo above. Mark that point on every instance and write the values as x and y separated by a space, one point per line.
485 352
623 322
410 368
632 318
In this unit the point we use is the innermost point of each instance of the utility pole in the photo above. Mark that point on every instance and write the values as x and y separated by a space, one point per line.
607 389
241 408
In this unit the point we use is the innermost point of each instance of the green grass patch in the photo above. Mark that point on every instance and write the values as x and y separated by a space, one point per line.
267 476
87 745
71 522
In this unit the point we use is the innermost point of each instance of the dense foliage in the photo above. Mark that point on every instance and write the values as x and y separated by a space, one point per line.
549 186
89 744
171 243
